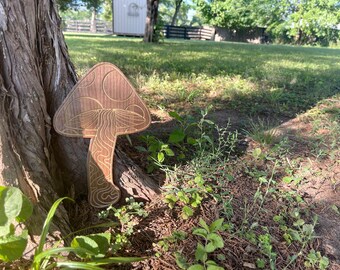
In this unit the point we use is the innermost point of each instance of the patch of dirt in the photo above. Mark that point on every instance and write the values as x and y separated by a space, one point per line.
319 187
320 176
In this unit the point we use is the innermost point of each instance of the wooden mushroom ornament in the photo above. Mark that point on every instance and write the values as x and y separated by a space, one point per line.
101 106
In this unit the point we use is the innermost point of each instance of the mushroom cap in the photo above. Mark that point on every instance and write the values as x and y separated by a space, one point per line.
103 88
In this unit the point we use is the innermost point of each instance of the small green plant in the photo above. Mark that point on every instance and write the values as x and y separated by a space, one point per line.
211 242
188 197
156 149
193 138
261 131
266 248
126 216
166 242
316 260
17 208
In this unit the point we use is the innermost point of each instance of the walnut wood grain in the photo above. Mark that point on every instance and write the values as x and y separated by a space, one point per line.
101 106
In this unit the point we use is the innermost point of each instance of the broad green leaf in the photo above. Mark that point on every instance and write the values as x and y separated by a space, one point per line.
5 229
176 116
160 157
187 212
196 267
204 225
181 261
260 263
216 240
199 179
308 229
257 152
85 243
103 241
176 136
169 152
323 263
214 267
216 225
200 253
191 141
295 235
26 209
183 197
299 222
47 224
154 147
197 199
287 179
10 207
12 246
200 232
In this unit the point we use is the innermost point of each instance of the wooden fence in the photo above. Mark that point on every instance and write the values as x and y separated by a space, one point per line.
85 26
188 32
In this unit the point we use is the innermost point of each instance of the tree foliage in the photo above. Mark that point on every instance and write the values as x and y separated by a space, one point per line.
93 4
168 14
65 5
107 12
305 21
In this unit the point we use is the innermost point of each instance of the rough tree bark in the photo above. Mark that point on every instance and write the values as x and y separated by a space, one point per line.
35 76
151 20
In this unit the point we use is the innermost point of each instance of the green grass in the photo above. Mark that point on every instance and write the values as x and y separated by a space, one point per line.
255 79
257 189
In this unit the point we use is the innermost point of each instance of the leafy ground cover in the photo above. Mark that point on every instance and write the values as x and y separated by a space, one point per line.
244 143
251 183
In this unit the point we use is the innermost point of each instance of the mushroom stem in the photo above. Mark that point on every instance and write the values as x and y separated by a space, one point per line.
102 191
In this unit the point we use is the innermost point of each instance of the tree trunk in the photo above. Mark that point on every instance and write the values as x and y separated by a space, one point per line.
35 76
93 27
177 8
151 20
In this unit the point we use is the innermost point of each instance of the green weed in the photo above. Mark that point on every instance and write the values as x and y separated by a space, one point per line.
262 131
212 241
91 249
126 216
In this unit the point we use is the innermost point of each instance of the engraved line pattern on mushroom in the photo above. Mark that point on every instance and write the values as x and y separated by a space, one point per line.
101 106
100 158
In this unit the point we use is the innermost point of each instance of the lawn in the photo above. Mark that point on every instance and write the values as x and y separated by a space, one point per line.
253 79
258 195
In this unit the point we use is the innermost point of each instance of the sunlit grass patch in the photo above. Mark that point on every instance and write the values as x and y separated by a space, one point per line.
253 79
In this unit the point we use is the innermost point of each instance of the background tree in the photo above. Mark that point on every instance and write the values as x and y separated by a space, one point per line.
174 12
305 21
151 21
35 76
107 10
233 14
178 4
94 6
64 5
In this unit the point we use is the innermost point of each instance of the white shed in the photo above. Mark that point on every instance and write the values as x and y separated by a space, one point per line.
129 17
